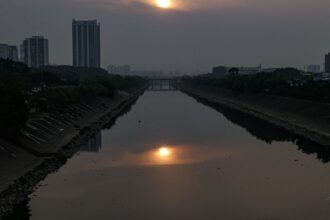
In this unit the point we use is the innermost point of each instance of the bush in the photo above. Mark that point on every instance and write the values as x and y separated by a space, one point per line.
14 111
22 90
127 83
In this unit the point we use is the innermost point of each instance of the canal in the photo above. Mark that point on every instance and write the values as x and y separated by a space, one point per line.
172 157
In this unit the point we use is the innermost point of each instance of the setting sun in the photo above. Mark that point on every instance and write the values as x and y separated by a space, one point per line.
164 152
163 3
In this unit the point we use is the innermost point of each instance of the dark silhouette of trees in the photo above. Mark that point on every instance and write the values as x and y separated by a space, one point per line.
43 90
7 65
234 71
288 82
42 78
14 109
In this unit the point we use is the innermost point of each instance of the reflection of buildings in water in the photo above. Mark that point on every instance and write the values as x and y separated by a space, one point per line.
94 144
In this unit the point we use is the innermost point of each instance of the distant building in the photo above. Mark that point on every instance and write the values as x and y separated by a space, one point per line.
249 70
21 53
34 52
86 43
8 52
120 70
13 53
313 69
269 70
220 70
148 73
3 51
225 70
327 63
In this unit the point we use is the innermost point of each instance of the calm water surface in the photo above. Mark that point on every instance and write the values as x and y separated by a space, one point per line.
215 166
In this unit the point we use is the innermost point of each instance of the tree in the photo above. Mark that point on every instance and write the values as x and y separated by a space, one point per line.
234 71
14 111
7 65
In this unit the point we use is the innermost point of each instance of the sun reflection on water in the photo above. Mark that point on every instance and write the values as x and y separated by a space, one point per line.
166 155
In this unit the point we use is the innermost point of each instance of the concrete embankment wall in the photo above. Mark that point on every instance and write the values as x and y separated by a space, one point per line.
45 134
49 140
306 118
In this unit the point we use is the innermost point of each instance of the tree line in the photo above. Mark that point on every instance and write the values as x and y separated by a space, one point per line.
287 82
25 91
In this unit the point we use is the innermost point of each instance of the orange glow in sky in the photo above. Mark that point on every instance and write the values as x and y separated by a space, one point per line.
164 3
164 152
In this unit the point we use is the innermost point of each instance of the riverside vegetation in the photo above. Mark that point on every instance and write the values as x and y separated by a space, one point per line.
26 92
287 82
287 97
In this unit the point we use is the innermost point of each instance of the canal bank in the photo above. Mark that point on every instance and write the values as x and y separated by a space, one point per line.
214 169
304 118
27 165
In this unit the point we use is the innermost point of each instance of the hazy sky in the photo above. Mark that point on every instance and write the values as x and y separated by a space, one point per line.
193 35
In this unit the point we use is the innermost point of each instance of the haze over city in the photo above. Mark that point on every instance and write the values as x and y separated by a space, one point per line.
187 36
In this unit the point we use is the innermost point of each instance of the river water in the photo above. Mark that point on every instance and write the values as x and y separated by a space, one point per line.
174 158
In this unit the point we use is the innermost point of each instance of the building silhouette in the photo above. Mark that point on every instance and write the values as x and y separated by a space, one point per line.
34 52
221 70
8 52
86 45
119 70
314 68
226 70
327 63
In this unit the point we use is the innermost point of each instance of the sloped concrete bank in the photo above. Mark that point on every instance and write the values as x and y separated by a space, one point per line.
16 190
308 119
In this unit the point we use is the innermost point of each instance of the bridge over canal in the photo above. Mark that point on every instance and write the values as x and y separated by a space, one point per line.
163 83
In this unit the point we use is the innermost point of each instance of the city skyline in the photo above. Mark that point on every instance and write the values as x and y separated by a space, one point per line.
87 53
181 40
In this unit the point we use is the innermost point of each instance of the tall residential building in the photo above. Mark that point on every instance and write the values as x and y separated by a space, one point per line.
327 63
8 52
34 52
86 43
3 51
